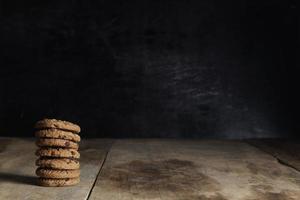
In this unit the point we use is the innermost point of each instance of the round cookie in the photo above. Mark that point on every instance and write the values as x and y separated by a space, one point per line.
58 124
50 142
57 173
57 153
52 182
56 133
60 163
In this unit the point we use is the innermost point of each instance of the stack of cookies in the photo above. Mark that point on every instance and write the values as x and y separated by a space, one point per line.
58 152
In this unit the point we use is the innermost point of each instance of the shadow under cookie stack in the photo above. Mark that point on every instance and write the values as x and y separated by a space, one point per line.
58 162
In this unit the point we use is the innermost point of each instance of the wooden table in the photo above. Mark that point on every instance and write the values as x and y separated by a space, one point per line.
158 169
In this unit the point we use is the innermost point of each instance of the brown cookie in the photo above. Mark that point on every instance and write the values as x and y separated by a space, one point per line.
58 124
57 173
52 182
59 163
57 153
50 142
56 133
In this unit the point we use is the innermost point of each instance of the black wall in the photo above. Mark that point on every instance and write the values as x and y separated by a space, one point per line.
207 69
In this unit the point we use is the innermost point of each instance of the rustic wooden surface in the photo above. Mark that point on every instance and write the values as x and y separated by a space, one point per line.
155 169
17 170
193 170
286 151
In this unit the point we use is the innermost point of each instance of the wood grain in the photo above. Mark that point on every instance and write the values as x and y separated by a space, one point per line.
17 170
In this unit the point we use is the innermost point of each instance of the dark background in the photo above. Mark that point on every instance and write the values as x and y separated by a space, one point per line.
205 69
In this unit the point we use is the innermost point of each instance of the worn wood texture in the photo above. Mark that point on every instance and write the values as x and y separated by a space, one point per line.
193 170
155 169
17 170
286 151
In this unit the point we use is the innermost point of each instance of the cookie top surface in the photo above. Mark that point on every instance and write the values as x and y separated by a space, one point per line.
57 124
56 133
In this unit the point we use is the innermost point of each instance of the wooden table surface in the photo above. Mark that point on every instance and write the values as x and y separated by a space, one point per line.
159 169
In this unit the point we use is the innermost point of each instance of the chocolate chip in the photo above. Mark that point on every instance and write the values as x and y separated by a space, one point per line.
67 144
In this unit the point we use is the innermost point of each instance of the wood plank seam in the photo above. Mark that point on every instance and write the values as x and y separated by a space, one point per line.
286 164
96 178
280 161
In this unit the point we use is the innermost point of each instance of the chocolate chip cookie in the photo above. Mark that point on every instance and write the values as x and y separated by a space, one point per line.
52 182
57 124
57 152
54 142
57 173
59 134
58 163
